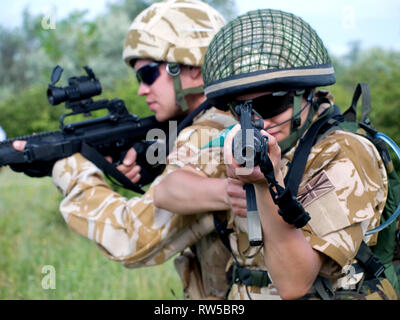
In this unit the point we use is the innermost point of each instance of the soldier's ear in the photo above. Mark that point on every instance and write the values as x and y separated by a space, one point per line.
195 72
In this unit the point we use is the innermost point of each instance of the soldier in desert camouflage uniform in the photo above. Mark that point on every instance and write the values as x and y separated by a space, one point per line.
165 45
274 60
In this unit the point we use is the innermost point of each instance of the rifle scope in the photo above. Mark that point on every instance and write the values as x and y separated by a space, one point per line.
79 88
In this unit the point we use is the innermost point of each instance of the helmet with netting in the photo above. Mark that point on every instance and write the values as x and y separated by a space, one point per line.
265 50
175 31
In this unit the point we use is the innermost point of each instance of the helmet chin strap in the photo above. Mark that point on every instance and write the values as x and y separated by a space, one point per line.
296 120
296 130
174 71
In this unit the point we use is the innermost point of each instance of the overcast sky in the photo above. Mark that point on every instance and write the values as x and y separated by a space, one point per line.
373 22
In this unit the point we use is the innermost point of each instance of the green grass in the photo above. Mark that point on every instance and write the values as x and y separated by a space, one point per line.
33 234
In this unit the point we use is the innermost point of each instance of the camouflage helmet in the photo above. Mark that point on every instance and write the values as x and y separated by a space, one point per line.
265 50
176 31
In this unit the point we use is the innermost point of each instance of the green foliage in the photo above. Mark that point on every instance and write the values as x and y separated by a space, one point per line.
130 7
29 112
381 70
28 53
80 42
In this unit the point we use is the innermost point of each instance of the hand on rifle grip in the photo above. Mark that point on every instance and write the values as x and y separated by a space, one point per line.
129 167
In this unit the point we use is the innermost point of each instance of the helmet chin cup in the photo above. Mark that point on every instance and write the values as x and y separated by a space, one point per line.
173 69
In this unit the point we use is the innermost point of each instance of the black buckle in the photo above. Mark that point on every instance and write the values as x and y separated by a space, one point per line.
374 266
248 277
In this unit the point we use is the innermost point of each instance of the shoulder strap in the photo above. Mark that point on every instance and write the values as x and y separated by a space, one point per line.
189 118
371 264
351 113
299 161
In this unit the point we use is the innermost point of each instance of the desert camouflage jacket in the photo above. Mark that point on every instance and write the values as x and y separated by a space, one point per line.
133 231
344 189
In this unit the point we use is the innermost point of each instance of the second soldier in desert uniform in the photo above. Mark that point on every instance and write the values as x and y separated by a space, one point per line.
165 45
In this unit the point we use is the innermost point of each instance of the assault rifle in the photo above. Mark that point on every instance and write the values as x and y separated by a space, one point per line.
111 135
250 149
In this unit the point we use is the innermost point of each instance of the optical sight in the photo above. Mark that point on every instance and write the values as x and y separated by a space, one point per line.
78 89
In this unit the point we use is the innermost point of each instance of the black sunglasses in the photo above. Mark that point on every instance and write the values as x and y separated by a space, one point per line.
267 106
148 73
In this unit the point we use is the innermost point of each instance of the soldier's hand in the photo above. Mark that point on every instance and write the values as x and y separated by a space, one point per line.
251 175
236 197
129 167
234 170
19 145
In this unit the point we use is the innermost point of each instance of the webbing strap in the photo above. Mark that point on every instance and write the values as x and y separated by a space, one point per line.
297 101
189 118
323 288
372 265
181 93
351 113
248 277
296 170
289 142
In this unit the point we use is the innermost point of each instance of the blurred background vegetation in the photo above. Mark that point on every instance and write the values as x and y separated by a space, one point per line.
28 54
32 233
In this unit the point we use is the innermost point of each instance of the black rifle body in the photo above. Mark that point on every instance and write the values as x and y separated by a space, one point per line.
111 135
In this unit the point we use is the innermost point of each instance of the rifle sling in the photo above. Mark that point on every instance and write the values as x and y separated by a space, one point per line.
98 159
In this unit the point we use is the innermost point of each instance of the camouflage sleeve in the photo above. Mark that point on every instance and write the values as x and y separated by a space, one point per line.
131 231
195 153
344 189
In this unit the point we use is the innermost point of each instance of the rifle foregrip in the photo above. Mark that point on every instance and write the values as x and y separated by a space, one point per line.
40 148
8 155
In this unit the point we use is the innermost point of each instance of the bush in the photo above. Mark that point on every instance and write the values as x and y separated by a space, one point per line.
29 112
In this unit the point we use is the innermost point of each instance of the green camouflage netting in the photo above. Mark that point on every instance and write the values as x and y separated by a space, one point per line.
263 40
